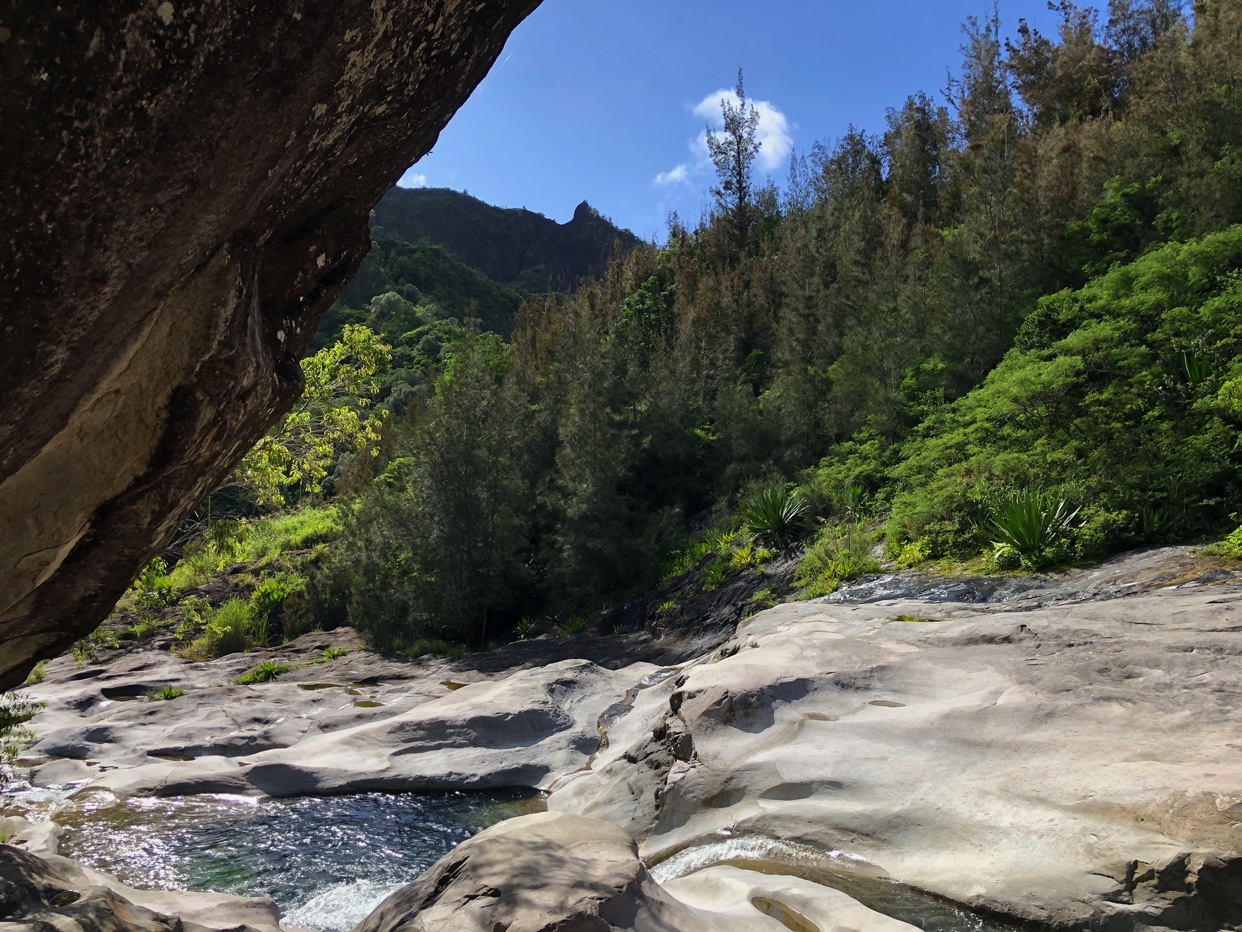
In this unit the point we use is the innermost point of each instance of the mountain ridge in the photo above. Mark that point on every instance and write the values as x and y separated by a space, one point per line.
511 245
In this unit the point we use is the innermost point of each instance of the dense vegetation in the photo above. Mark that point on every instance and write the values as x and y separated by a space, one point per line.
1004 330
513 246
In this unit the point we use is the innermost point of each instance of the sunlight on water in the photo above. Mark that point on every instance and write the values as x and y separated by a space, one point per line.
328 861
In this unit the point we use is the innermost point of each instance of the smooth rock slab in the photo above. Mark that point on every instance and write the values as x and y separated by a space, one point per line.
525 729
554 872
1075 766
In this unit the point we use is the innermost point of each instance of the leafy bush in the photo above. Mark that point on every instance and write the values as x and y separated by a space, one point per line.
35 676
715 575
1034 525
145 628
258 541
330 653
775 514
574 626
526 629
1124 392
840 553
231 629
15 712
263 672
273 591
765 598
166 693
86 650
153 588
1230 547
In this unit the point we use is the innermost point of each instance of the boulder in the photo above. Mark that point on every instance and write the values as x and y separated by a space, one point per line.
548 871
187 190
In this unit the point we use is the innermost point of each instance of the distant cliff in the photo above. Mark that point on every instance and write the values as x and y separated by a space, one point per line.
512 246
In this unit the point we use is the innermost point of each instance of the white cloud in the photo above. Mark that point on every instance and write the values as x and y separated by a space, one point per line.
773 134
674 175
414 180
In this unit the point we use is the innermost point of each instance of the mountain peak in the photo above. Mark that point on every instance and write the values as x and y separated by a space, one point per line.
584 211
512 246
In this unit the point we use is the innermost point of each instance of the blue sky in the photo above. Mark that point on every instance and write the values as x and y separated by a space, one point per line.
606 100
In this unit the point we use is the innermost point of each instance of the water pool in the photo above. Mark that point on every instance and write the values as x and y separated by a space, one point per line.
328 861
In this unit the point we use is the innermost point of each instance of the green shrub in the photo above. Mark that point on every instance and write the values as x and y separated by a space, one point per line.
715 575
263 672
1033 524
667 607
854 501
1102 531
15 712
35 676
330 653
231 629
145 628
86 650
153 588
775 514
574 626
840 553
526 629
684 560
166 693
913 553
272 591
1230 547
765 598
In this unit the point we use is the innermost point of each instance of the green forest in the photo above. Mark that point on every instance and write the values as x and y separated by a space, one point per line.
1003 332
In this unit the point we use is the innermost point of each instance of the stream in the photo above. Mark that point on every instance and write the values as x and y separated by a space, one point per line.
328 861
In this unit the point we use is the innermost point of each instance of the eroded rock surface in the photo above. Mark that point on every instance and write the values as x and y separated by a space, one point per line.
554 871
1075 765
357 723
54 893
187 190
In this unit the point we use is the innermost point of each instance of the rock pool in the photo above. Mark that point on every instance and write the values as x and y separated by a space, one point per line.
327 861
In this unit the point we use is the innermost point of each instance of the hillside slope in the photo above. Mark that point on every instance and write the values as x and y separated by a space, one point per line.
510 245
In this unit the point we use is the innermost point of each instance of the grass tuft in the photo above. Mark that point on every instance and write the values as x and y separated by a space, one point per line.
263 672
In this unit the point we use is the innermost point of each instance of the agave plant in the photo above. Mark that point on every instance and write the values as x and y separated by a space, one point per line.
775 514
263 672
1029 522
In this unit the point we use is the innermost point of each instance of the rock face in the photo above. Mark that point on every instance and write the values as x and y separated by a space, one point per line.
187 189
1077 766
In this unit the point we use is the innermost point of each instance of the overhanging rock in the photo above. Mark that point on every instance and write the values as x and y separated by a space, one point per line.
187 186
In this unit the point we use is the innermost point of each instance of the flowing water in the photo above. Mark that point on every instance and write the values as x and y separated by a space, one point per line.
327 861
